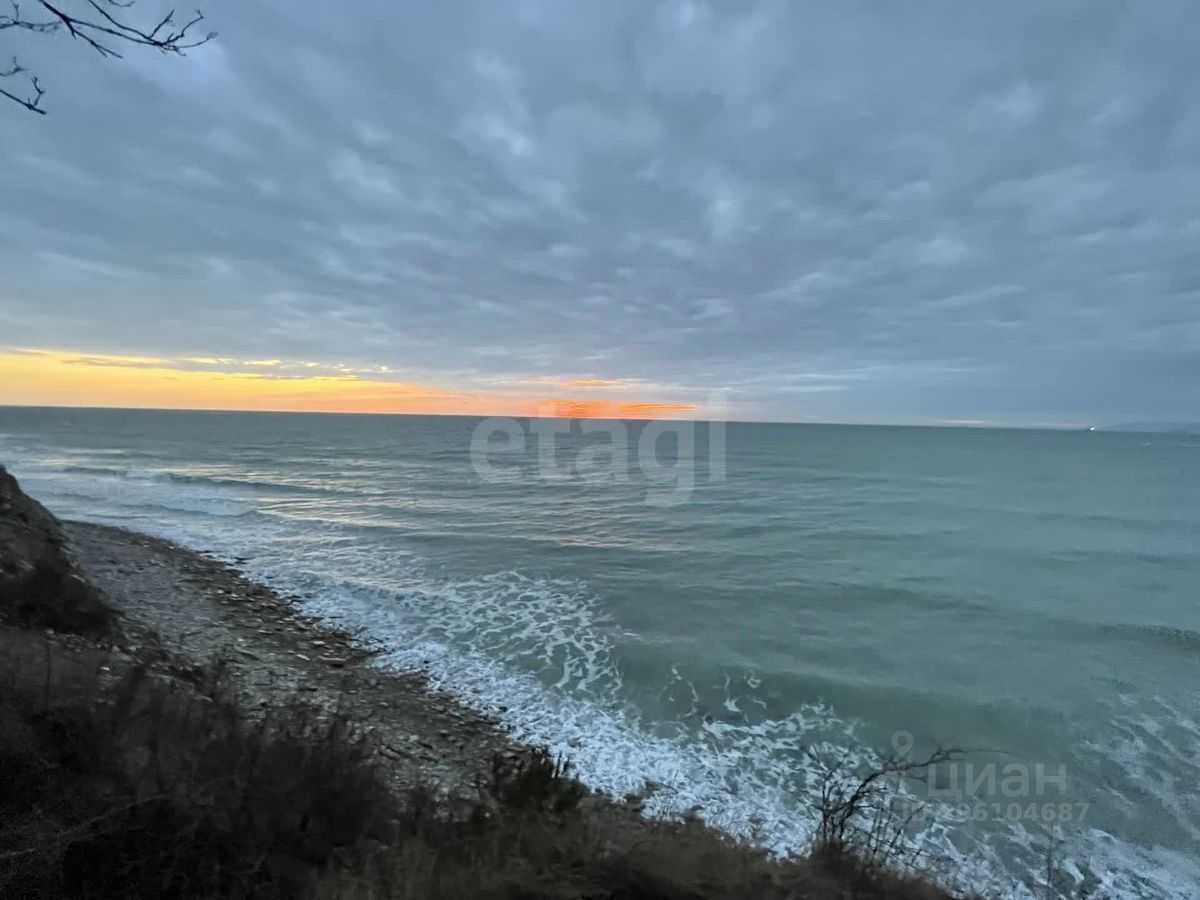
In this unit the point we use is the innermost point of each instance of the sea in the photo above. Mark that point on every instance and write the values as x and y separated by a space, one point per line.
724 617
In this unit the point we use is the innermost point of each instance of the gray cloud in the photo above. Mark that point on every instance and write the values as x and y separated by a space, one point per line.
858 211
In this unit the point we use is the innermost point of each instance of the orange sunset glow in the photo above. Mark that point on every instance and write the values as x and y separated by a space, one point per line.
610 409
66 378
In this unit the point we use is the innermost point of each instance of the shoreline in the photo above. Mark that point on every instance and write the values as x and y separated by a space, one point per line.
174 728
192 620
196 607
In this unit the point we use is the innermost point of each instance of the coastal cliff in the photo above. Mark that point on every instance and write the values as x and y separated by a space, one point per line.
40 583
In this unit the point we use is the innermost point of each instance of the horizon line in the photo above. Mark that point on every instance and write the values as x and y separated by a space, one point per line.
971 425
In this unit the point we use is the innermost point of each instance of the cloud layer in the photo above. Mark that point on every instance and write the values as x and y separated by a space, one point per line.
909 212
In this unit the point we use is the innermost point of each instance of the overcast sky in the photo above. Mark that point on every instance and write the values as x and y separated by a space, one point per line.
850 211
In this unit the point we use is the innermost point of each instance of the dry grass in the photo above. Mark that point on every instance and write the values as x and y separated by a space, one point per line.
139 787
121 780
131 784
52 596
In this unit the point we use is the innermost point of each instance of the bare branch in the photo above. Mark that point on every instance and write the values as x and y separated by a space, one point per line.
161 37
864 813
14 20
102 29
31 102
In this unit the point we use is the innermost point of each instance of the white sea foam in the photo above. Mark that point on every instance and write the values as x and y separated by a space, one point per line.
1153 751
91 494
542 655
535 652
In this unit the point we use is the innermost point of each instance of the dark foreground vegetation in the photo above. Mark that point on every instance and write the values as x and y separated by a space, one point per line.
137 784
137 775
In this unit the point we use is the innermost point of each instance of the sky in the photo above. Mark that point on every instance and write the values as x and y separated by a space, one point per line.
918 212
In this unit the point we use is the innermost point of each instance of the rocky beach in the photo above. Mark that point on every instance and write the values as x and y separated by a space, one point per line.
178 609
173 728
197 608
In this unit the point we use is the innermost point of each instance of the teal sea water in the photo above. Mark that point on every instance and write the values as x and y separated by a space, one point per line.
1033 596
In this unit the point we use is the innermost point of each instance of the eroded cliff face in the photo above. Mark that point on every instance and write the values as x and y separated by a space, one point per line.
40 585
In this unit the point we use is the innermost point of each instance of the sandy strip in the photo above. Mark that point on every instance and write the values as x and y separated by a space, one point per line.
193 606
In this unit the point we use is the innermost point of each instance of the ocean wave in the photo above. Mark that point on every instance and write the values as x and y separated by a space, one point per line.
542 655
1184 640
51 467
1152 757
92 494
538 653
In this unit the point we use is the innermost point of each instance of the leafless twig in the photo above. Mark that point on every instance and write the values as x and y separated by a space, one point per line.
102 25
32 101
861 813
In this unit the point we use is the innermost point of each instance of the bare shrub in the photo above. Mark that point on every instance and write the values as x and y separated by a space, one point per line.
865 820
